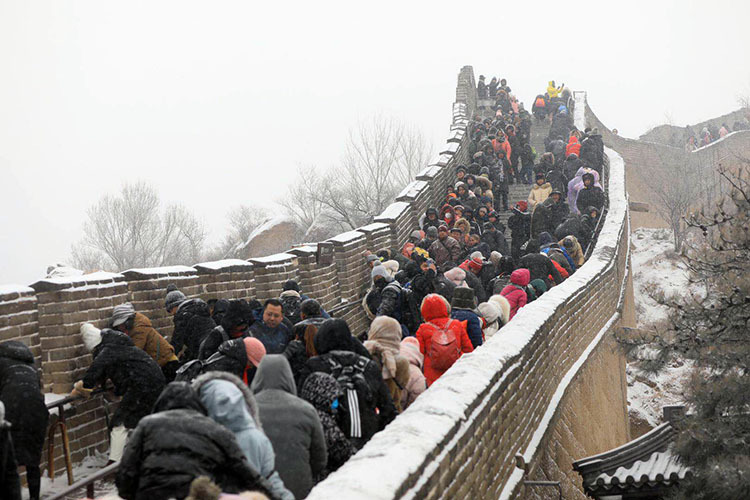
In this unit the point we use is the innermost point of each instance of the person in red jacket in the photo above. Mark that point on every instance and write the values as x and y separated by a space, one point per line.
516 291
573 146
436 313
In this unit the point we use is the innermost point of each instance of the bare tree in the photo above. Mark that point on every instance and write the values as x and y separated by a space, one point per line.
130 230
381 157
302 201
676 186
243 220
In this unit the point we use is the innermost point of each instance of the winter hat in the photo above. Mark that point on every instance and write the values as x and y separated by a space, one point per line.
371 258
540 176
457 230
123 312
254 349
488 226
409 349
539 286
463 298
91 336
522 205
238 312
432 231
391 266
475 264
489 311
568 243
291 285
456 275
381 271
495 257
174 297
443 227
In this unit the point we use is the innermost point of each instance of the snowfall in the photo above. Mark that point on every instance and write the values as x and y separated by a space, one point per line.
657 270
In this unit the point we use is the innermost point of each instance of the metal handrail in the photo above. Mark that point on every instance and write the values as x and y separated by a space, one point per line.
62 425
88 482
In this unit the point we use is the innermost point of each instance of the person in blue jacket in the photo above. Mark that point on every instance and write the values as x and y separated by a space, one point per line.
463 305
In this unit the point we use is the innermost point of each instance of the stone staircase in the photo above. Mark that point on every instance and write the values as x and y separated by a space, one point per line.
517 192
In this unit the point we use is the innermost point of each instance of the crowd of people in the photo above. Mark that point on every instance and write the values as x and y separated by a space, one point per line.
711 133
272 397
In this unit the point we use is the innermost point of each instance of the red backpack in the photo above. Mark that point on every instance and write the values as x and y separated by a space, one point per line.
445 348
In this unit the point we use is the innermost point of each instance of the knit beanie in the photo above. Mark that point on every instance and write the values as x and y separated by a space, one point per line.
380 271
291 285
254 349
174 297
122 313
495 257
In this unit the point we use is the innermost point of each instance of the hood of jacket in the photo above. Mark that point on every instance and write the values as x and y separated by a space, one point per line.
320 390
386 331
546 239
13 349
289 293
456 275
333 335
520 277
115 338
179 395
274 372
410 351
226 403
435 306
193 307
238 312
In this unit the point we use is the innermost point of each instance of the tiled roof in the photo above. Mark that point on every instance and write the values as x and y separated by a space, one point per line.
646 463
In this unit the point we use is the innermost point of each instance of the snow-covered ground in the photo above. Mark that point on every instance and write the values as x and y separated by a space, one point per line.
656 270
88 466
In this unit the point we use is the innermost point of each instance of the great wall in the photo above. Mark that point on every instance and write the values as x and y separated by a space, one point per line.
523 393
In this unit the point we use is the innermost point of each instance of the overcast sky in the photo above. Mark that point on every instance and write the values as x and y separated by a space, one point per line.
217 103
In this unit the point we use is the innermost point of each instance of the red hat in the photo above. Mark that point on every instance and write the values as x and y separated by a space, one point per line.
254 349
522 205
475 264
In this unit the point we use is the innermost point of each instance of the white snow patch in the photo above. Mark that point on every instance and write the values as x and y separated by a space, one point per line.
347 236
221 264
84 278
64 272
162 270
14 288
655 270
50 397
85 468
275 258
393 211
412 190
648 393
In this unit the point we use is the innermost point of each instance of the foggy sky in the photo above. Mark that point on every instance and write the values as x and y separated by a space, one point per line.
217 103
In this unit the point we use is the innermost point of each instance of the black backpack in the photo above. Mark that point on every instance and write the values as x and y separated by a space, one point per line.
290 306
354 386
190 370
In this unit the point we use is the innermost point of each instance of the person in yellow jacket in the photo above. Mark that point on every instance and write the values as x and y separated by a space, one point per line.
539 191
138 327
553 91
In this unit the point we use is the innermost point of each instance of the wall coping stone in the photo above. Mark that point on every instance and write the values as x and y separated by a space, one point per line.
225 265
346 237
144 273
98 278
412 190
270 260
393 211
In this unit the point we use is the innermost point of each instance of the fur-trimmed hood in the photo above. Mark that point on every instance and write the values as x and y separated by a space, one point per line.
200 386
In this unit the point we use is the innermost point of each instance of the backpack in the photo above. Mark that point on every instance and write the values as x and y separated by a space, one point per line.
444 348
409 309
352 380
291 307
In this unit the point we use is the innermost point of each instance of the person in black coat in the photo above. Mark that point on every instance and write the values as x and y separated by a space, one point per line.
477 245
178 443
234 324
558 210
590 195
494 239
520 227
428 281
570 168
539 265
136 377
337 351
20 391
10 481
192 324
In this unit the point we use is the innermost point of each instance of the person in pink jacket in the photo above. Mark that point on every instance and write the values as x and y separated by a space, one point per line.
417 382
515 293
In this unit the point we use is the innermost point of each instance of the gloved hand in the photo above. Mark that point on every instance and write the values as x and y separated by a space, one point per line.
80 390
